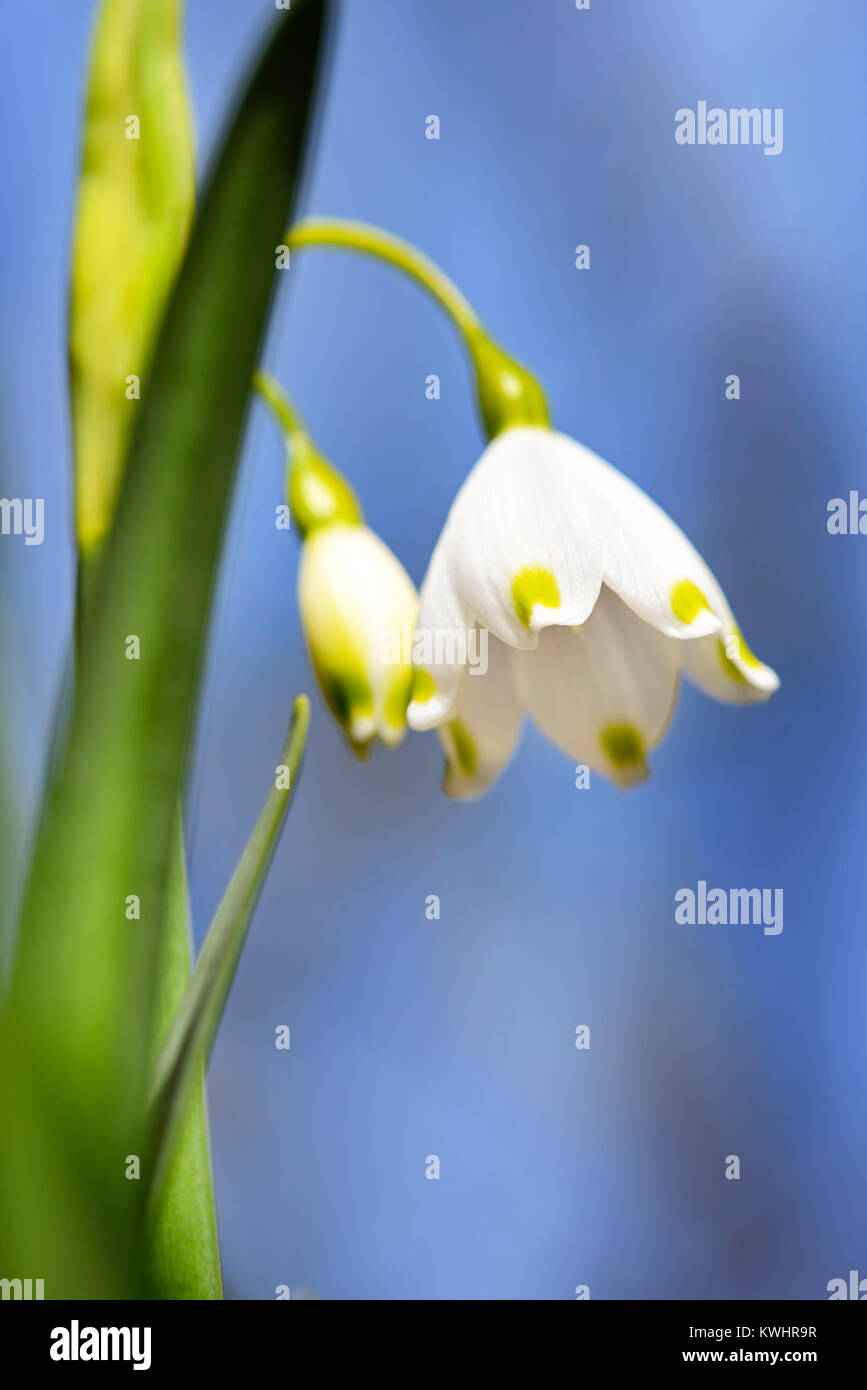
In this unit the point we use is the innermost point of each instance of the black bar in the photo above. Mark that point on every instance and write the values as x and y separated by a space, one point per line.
269 1337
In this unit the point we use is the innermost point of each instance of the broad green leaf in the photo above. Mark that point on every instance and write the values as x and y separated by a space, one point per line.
78 1030
135 203
192 1034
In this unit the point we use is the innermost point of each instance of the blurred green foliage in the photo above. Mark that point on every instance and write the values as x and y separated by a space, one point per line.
78 1032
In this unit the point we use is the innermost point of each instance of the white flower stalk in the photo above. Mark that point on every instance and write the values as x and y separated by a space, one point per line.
595 602
355 600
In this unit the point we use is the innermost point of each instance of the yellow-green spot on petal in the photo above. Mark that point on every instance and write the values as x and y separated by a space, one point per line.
748 657
733 649
623 745
531 586
423 686
687 601
348 695
397 699
465 747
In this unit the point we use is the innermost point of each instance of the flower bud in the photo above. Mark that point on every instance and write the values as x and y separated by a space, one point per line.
358 609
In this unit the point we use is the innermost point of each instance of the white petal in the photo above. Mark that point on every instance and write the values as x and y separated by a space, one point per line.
646 558
605 694
480 737
520 541
440 645
358 607
649 562
725 668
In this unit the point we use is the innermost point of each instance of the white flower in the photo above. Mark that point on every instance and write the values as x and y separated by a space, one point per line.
594 600
356 600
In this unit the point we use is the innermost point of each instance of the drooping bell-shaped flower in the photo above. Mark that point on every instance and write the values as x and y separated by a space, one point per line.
357 603
558 588
594 601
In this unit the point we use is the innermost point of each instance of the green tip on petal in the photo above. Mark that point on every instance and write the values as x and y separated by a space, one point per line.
465 747
623 746
532 586
397 700
747 656
349 698
423 686
733 649
687 601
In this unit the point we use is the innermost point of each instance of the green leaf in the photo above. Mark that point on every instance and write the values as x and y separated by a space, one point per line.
183 1246
78 1030
192 1034
135 205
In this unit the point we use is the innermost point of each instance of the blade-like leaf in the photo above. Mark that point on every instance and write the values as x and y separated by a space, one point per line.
135 203
183 1247
77 1033
192 1034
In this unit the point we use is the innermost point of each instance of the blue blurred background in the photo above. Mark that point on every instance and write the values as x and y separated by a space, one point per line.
456 1037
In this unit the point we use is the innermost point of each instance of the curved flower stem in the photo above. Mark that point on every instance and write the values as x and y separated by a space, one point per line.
359 236
508 393
272 392
316 492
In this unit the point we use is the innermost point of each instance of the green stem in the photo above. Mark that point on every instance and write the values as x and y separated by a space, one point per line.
359 236
316 492
272 392
508 394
